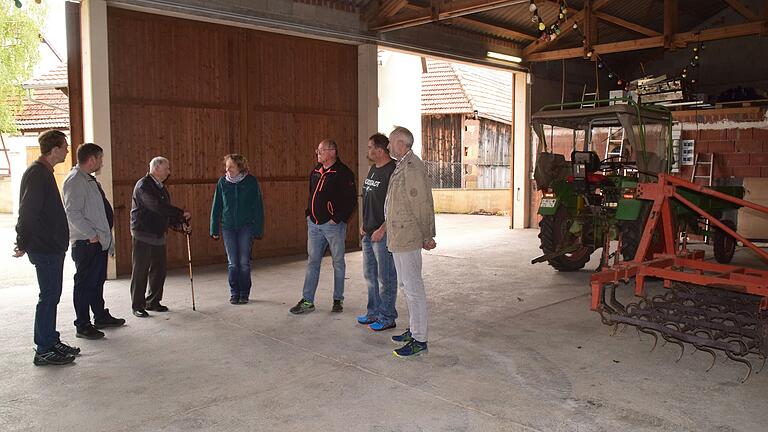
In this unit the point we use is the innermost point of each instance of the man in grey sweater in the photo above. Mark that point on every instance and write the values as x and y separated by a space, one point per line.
90 220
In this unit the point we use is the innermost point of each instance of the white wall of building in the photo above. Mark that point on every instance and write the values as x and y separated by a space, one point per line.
17 153
400 94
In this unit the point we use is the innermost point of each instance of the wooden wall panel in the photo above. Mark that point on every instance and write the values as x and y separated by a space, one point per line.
193 92
161 59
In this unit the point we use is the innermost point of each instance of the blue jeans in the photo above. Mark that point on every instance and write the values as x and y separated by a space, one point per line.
238 245
88 294
50 275
318 238
381 278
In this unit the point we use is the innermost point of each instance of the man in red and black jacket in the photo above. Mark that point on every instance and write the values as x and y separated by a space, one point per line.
332 198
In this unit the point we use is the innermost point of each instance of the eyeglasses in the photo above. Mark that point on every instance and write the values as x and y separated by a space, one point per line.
318 151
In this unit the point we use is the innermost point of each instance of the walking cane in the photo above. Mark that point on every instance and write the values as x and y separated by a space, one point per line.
188 234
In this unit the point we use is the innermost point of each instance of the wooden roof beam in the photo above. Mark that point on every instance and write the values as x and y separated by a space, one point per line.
743 10
679 39
382 9
626 24
437 12
486 26
495 29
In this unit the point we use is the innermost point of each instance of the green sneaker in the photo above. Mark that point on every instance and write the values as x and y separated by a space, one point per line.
303 306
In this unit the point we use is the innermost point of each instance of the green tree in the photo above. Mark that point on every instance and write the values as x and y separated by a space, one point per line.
19 53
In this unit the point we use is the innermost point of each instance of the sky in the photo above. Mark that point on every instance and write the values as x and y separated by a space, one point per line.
55 31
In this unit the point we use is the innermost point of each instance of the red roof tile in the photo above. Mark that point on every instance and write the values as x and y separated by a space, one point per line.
454 88
50 108
55 78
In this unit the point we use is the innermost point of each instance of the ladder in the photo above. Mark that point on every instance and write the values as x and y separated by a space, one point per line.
614 146
588 103
701 160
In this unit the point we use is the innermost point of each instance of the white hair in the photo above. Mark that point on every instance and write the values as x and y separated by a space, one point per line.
404 134
157 161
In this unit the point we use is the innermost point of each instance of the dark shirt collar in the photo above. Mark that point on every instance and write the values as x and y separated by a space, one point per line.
45 162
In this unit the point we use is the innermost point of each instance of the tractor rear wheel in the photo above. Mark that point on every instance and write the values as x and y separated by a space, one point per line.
555 234
631 233
724 244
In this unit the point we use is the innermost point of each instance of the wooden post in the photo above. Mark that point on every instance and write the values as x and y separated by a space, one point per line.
74 77
670 22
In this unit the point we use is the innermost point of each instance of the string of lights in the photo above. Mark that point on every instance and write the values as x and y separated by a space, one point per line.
548 32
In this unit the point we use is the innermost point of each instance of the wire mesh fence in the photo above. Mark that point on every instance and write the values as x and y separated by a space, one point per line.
455 175
444 175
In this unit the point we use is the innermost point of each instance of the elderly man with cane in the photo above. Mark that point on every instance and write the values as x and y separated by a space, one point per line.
151 216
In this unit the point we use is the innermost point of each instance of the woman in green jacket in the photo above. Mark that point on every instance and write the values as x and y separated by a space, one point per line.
238 209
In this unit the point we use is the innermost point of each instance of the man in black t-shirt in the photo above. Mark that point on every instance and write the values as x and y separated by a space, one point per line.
378 265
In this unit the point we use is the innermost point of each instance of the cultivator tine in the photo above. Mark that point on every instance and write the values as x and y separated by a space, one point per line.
709 319
708 351
762 364
655 338
682 350
743 361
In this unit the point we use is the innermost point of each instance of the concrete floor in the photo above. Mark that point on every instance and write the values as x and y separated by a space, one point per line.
513 347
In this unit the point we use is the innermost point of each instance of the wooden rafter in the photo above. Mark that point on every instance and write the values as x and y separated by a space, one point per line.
436 12
382 9
492 28
626 24
678 39
495 29
743 10
573 17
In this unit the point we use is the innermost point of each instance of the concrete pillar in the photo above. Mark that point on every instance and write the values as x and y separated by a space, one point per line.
521 151
96 115
367 109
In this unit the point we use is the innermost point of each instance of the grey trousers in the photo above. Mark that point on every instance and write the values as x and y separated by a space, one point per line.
149 265
408 266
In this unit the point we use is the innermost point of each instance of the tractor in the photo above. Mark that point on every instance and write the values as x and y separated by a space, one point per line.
590 200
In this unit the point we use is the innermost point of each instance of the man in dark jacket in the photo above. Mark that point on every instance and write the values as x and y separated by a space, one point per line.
151 216
332 198
43 234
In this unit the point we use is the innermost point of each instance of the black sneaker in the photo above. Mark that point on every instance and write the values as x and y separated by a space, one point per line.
52 357
65 349
140 313
403 338
243 300
338 306
88 331
108 321
157 308
234 300
303 306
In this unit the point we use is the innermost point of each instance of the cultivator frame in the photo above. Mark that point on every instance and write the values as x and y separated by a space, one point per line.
711 306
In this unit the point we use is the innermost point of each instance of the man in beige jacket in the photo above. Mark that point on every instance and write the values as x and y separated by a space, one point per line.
410 220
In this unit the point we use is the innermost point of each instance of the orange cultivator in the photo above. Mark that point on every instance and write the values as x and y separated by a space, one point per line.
710 306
